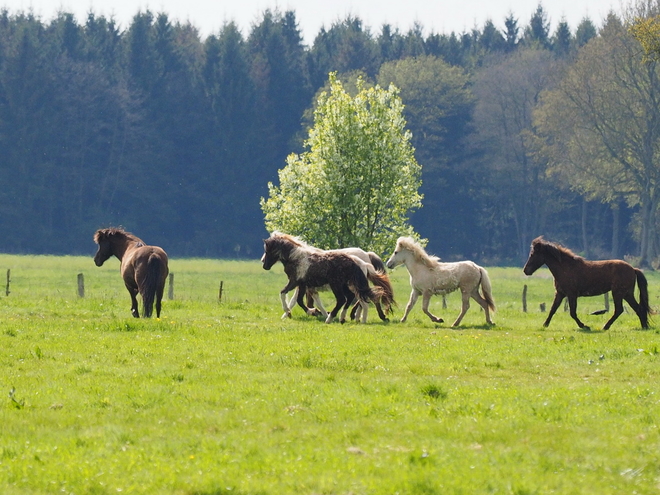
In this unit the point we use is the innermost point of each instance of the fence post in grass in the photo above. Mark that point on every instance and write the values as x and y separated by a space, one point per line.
8 280
524 298
170 289
220 291
607 302
81 285
444 302
542 307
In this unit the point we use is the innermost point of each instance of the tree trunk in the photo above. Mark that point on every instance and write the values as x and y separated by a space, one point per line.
646 243
616 226
585 237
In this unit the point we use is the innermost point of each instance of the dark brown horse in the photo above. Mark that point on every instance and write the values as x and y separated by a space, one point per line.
308 267
575 277
143 268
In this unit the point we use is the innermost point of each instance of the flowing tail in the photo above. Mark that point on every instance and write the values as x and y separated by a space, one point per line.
360 285
486 289
382 281
645 308
150 285
376 262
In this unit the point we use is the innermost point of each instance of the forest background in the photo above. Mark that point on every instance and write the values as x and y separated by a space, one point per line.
175 137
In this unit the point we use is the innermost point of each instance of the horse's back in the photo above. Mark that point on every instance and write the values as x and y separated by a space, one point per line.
593 278
137 260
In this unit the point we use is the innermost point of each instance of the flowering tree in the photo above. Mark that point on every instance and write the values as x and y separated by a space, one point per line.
358 180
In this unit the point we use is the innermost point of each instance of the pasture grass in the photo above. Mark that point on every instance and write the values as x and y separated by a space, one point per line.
227 398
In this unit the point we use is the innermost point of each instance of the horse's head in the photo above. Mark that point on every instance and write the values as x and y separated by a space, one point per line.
537 256
398 256
102 238
113 241
272 254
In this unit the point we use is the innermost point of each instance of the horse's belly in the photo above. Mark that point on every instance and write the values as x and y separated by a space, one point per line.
441 291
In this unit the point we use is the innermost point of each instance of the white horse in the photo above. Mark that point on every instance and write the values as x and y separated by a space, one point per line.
429 276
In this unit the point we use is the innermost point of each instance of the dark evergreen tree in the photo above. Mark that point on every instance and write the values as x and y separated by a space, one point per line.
562 39
538 31
413 43
511 33
390 44
345 47
491 39
585 31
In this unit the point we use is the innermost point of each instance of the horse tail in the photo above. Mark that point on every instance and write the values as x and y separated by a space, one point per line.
382 281
360 285
643 297
486 289
150 285
376 262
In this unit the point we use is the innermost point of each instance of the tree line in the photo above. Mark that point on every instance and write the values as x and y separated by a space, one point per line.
175 137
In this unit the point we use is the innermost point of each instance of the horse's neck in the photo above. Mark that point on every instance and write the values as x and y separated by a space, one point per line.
419 265
120 249
555 265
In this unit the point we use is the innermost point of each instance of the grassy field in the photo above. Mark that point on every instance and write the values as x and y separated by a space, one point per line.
223 397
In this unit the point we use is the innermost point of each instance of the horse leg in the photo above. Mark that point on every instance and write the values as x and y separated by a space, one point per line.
319 305
637 308
559 297
302 291
464 307
365 307
413 299
341 299
618 309
572 306
287 307
134 303
426 298
482 302
350 297
381 313
159 299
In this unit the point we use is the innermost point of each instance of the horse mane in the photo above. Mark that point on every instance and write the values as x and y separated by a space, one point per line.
105 234
418 251
297 241
555 250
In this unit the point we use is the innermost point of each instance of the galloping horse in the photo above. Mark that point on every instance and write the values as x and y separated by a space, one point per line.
372 266
429 276
574 277
143 268
309 267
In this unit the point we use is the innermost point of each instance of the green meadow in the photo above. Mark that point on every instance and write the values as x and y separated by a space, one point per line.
224 397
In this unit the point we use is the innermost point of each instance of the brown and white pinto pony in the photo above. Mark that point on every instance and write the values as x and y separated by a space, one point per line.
374 269
429 276
575 277
308 267
143 268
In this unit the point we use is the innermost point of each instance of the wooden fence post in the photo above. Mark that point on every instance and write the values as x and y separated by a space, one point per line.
170 289
524 298
81 285
444 302
607 302
8 281
220 291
